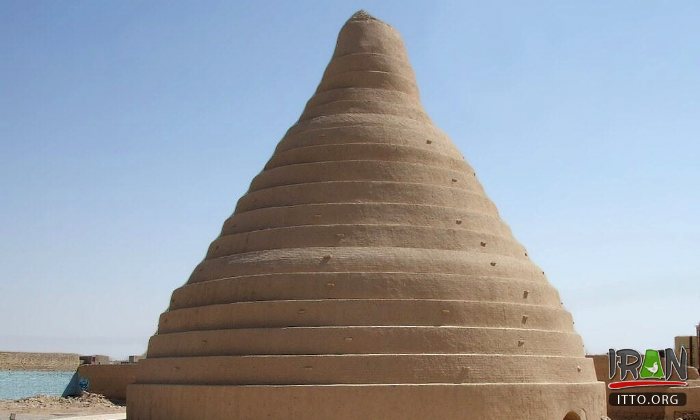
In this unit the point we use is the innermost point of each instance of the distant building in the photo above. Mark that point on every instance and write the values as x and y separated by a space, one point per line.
95 359
691 344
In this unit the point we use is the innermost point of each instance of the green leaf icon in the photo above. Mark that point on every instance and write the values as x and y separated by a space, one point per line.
652 366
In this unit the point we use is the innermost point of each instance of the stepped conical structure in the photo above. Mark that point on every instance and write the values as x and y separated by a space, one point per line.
365 274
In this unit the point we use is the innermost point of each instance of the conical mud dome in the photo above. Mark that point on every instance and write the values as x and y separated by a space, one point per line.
366 275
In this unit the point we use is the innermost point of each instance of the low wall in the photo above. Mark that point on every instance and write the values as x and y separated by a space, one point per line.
108 380
691 411
43 362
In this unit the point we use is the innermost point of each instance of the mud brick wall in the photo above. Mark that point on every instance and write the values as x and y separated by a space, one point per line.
55 362
108 380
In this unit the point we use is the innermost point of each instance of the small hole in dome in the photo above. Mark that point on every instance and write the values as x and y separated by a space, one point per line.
428 142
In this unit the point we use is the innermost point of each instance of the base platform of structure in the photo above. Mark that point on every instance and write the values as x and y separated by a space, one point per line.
432 401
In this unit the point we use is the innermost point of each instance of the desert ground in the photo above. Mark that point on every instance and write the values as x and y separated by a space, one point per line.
45 407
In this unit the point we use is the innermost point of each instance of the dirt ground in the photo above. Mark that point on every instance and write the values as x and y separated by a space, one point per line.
45 407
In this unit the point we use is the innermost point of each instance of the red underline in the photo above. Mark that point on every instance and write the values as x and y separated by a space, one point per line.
632 384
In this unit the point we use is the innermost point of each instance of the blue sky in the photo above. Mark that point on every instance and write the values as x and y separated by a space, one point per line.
128 130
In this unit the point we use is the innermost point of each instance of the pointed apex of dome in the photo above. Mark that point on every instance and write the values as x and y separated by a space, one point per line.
363 33
362 15
369 54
